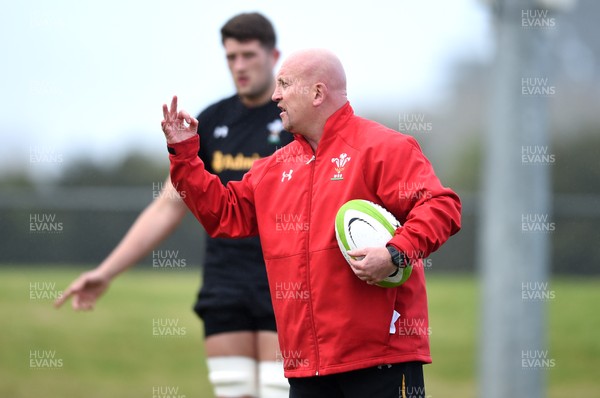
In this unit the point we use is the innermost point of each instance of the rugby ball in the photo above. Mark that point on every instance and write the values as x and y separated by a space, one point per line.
360 223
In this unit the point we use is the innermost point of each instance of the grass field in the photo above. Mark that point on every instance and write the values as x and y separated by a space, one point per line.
121 348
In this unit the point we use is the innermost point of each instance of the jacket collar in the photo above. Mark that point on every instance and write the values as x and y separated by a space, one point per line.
336 122
333 124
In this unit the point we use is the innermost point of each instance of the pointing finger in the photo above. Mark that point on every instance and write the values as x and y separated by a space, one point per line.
174 107
165 112
73 289
61 300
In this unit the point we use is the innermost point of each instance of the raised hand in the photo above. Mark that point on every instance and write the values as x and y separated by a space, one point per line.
177 126
85 290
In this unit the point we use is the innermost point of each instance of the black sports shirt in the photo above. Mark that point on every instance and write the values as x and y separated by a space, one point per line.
232 136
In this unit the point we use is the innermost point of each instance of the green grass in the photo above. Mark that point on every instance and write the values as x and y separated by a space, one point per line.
111 352
575 339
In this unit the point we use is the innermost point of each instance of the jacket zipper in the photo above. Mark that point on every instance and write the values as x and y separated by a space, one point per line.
310 191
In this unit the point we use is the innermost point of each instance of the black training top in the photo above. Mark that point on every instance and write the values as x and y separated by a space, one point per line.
232 136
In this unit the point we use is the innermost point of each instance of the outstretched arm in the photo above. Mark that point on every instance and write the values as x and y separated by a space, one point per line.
151 227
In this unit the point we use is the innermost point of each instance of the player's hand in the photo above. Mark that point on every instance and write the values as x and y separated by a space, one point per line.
85 290
375 266
177 126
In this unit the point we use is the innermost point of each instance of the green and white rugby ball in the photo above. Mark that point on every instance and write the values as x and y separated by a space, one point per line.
360 223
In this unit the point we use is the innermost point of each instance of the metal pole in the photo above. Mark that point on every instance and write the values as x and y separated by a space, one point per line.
515 208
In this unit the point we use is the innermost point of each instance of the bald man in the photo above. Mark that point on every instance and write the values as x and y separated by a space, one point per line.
340 334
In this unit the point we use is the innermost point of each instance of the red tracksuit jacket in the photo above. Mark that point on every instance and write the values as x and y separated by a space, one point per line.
328 320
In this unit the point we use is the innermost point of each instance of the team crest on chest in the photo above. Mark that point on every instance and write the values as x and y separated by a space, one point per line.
275 129
340 164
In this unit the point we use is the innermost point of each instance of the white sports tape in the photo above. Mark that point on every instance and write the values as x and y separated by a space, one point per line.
233 376
271 381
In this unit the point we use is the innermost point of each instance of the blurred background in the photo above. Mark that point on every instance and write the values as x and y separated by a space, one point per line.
82 154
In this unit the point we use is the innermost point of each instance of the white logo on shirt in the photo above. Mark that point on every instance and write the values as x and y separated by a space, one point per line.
275 128
221 131
287 175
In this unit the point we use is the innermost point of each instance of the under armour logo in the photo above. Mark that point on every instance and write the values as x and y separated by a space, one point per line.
287 175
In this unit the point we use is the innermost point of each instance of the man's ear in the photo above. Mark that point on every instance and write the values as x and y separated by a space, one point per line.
319 94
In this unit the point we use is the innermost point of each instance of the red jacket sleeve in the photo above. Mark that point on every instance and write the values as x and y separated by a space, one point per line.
429 212
224 211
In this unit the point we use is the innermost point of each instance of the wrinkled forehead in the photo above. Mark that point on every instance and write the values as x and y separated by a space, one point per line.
295 70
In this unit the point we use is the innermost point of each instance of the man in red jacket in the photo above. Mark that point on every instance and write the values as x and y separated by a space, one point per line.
340 335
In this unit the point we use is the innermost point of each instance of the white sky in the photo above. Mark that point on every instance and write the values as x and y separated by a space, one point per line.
88 77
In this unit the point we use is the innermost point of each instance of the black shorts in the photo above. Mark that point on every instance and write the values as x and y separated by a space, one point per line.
401 380
229 308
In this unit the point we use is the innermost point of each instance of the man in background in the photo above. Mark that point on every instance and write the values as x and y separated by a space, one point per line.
240 335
